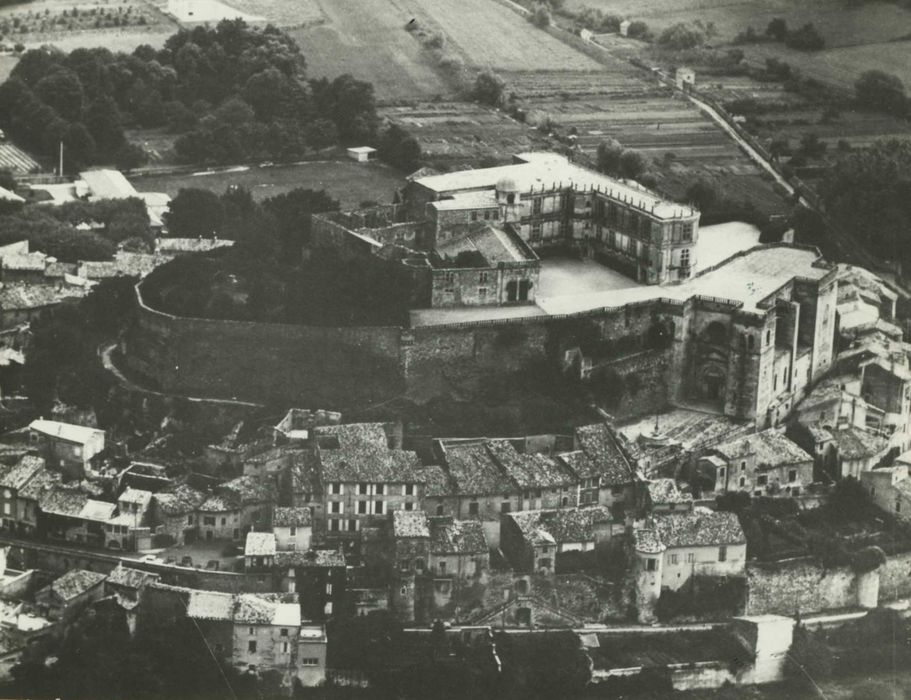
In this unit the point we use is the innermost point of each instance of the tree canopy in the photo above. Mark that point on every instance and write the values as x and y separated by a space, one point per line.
883 92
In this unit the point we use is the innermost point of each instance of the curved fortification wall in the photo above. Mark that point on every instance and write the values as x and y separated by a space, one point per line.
348 367
266 362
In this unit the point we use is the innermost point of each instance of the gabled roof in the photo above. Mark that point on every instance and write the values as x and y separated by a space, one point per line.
770 448
180 501
291 517
250 608
856 443
19 474
65 431
602 448
249 489
530 470
312 558
140 497
410 523
75 582
359 452
260 544
449 536
559 526
130 578
474 470
701 528
210 605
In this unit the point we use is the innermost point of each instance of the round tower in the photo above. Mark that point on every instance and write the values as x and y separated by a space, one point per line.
649 552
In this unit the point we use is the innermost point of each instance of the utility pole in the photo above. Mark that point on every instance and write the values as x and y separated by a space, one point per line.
60 171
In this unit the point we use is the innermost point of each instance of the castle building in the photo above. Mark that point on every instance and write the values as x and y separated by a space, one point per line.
551 202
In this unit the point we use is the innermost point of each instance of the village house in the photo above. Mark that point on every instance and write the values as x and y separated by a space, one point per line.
318 576
176 513
851 450
292 528
69 514
458 548
295 427
763 464
67 596
130 526
20 514
410 540
663 496
235 507
126 585
532 540
257 633
363 478
67 447
311 654
259 552
606 474
890 489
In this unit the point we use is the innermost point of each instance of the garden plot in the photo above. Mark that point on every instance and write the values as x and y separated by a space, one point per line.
16 160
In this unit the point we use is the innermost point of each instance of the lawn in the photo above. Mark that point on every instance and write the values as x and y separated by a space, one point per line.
351 183
367 39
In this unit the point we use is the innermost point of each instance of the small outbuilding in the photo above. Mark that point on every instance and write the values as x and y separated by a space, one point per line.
362 154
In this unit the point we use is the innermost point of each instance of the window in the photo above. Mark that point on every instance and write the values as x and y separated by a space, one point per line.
762 480
486 215
378 508
504 507
310 662
474 216
792 475
285 647
208 520
650 565
743 466
409 489
440 509
482 277
442 567
690 557
334 525
674 559
536 231
6 509
720 472
898 506
379 489
408 506
335 488
768 337
328 589
473 508
284 632
336 507
688 231
189 520
327 608
353 526
363 489
743 481
251 646
482 293
685 257
419 563
536 205
292 531
362 507
224 521
722 553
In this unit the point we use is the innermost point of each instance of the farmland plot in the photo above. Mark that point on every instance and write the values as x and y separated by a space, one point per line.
367 39
488 34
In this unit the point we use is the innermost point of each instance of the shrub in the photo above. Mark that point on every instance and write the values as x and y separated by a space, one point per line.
807 38
540 17
682 36
882 92
639 30
488 88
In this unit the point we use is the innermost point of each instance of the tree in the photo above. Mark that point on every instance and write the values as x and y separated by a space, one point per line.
488 88
777 29
880 91
703 194
194 212
540 16
682 36
632 163
639 30
102 119
62 90
807 38
608 156
400 149
291 212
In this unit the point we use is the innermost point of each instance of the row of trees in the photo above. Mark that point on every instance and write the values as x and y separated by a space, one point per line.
233 92
804 38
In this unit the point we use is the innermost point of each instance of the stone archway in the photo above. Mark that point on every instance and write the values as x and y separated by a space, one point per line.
712 382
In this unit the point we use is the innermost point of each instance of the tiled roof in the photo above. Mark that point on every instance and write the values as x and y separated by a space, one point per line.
65 431
600 445
666 491
190 245
39 485
316 558
305 476
436 481
530 470
362 454
36 296
181 501
210 605
218 504
474 470
410 523
291 517
856 443
259 544
130 578
450 536
569 525
770 447
99 511
579 463
700 528
62 501
647 541
25 261
493 244
138 496
76 582
249 489
253 609
18 475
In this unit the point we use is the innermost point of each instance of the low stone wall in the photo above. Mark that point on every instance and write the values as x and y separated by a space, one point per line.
784 588
895 577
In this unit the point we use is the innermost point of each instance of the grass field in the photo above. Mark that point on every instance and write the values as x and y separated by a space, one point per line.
488 34
351 183
367 39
